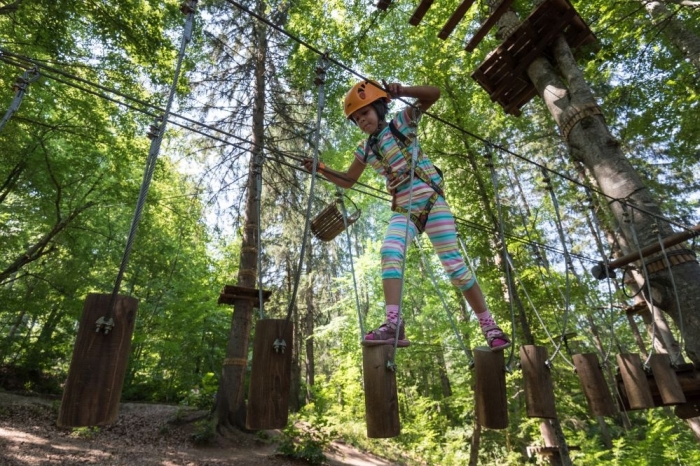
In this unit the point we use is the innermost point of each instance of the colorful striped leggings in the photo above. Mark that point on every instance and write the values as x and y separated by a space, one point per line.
442 232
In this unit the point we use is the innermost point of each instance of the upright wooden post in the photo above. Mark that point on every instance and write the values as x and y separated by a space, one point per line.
635 381
271 375
381 399
666 380
593 383
537 378
490 390
98 366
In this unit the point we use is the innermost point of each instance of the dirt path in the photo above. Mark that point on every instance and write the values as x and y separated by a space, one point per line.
144 434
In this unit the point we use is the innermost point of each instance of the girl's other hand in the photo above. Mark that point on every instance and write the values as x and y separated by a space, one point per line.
394 89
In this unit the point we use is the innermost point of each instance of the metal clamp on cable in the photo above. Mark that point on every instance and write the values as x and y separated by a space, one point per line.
106 325
279 345
399 180
155 128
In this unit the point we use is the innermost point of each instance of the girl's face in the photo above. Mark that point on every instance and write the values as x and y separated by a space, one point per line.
366 119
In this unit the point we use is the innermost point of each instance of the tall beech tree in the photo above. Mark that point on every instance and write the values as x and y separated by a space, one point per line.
565 92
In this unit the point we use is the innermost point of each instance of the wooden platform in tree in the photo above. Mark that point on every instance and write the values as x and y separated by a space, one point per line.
233 292
456 17
504 72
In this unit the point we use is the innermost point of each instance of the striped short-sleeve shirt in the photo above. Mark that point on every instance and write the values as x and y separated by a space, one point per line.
391 151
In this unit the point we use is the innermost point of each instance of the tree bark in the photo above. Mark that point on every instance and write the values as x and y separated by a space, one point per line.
230 405
309 320
632 205
687 42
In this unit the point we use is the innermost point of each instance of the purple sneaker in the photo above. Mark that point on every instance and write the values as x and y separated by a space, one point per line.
386 335
496 339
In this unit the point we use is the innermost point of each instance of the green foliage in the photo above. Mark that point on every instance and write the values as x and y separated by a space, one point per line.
202 395
68 151
86 433
307 441
204 432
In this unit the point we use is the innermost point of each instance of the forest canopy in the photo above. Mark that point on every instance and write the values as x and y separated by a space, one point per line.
540 199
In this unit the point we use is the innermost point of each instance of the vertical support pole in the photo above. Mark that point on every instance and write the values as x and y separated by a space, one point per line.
537 378
381 399
490 390
98 366
635 381
271 375
593 383
666 380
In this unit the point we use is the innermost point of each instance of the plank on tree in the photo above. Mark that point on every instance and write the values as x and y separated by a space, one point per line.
454 20
537 47
488 24
233 292
421 10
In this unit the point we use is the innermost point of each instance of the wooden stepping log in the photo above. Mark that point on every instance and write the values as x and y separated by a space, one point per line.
593 383
97 369
271 375
635 381
537 378
669 387
381 399
490 389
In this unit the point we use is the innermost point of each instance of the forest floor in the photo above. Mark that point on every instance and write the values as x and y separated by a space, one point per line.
144 434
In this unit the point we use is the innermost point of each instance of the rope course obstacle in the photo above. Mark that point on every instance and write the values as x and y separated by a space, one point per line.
503 76
503 72
98 366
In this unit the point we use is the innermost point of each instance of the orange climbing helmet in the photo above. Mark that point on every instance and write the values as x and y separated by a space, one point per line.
363 94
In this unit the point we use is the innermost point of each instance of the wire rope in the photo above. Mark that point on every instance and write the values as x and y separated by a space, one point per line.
243 140
106 323
504 245
437 118
20 86
257 170
348 238
599 243
567 262
667 263
450 317
391 365
650 300
320 81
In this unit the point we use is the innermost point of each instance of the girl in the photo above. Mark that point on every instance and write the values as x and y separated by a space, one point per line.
389 150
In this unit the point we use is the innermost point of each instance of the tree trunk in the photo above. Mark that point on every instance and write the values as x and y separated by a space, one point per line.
635 211
230 403
675 30
475 444
309 338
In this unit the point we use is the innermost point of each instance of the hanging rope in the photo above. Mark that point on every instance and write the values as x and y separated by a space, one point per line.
605 260
567 260
630 221
320 80
504 247
20 87
156 133
391 365
340 195
667 262
426 265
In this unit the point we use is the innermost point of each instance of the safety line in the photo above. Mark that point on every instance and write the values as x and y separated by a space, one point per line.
440 119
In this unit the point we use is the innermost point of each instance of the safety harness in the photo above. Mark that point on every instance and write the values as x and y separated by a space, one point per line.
396 179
